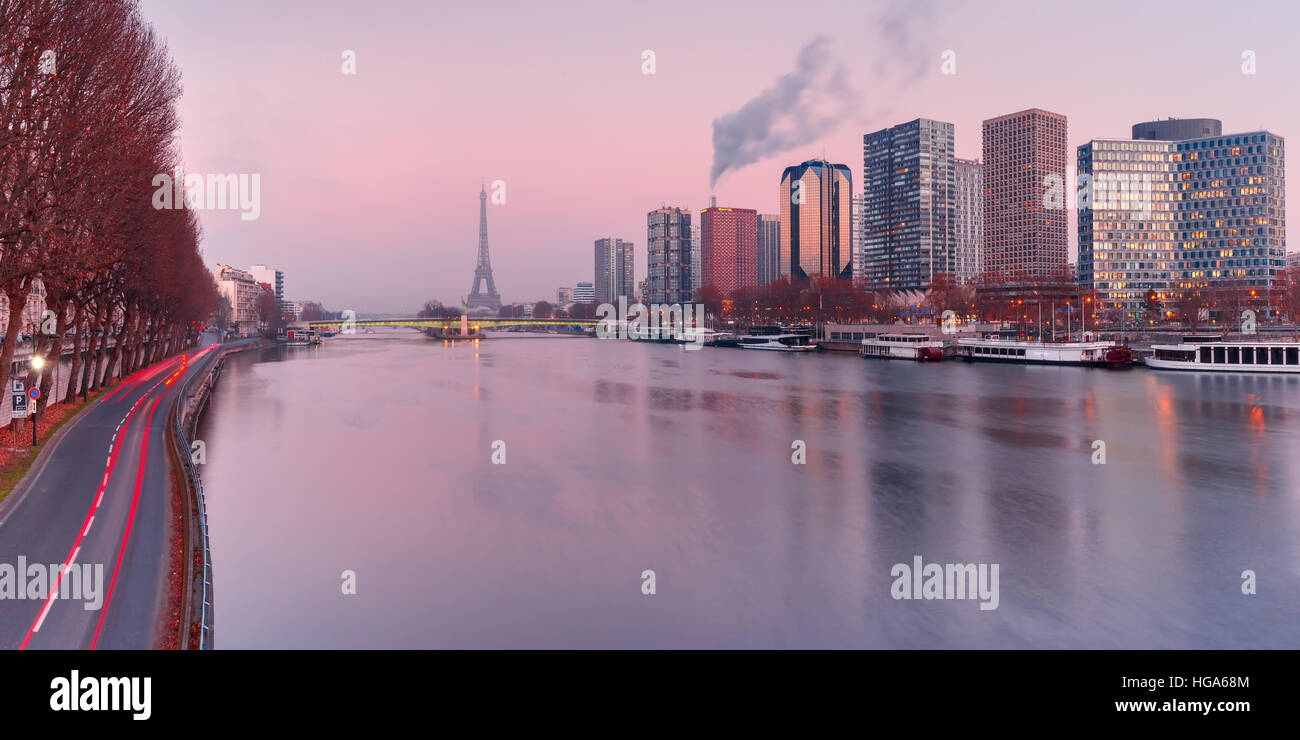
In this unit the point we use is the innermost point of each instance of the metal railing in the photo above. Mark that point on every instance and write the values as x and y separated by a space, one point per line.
190 406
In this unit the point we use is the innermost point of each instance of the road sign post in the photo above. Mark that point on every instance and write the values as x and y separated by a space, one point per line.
35 394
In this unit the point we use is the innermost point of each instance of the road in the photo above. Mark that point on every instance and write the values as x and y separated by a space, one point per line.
101 498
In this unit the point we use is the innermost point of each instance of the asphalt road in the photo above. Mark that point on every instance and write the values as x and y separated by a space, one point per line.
101 497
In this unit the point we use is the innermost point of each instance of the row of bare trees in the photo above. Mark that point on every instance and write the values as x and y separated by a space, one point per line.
88 119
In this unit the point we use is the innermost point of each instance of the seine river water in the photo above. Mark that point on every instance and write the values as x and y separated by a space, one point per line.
373 455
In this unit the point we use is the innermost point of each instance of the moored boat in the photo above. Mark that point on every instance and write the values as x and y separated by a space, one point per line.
778 342
906 347
1088 354
1222 356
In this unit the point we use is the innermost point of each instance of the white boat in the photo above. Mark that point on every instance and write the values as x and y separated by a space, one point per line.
1232 357
778 342
301 337
1088 353
905 347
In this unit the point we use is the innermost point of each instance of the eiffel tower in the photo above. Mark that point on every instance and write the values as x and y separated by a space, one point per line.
483 270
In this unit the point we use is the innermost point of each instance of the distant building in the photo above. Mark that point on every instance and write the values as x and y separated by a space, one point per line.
1293 260
668 256
968 210
1024 154
859 235
241 289
273 278
614 269
697 264
563 296
293 309
769 248
816 220
584 293
909 192
729 248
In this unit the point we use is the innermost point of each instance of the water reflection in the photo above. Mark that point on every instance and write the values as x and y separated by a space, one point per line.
374 455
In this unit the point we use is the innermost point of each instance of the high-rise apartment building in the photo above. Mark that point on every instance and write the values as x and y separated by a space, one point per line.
729 248
668 256
1025 193
614 270
816 220
909 191
769 248
563 296
696 263
968 212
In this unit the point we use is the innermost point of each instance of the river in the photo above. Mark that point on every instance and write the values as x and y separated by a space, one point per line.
373 454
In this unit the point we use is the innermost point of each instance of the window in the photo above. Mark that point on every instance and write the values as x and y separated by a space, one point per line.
1248 355
1219 355
1276 352
1205 355
1293 355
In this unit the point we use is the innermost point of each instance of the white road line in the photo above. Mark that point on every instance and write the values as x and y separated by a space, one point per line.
50 600
87 529
100 499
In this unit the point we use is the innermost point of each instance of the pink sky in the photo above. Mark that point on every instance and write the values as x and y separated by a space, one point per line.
370 182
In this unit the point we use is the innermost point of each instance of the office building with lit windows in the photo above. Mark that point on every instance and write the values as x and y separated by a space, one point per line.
1231 210
1127 216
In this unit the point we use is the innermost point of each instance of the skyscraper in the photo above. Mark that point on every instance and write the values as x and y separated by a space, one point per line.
729 248
1024 163
816 220
769 248
968 260
859 236
614 270
1127 228
909 191
696 265
668 256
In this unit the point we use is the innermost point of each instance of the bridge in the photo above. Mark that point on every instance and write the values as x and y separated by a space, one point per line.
452 324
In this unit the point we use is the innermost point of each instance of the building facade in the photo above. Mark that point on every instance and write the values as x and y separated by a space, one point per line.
816 221
769 248
614 270
584 293
1025 232
909 196
274 278
968 212
563 296
697 268
1176 129
241 289
1127 211
668 256
1231 210
729 248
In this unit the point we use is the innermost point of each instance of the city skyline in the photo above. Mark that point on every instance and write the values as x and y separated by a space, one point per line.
389 248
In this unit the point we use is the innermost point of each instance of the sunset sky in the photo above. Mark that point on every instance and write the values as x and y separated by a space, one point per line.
369 183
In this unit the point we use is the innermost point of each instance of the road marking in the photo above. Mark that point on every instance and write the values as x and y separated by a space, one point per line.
87 529
50 601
